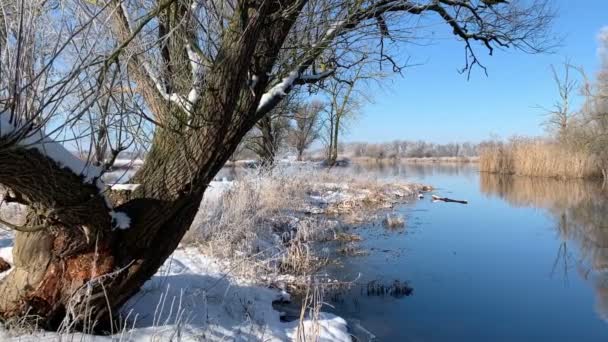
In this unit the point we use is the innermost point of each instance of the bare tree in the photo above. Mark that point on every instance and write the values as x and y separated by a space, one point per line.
271 132
345 100
561 115
591 130
306 128
187 79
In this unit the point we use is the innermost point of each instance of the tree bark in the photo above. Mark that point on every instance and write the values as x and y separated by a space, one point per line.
336 134
268 146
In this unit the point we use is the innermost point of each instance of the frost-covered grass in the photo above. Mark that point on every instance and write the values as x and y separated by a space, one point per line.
268 220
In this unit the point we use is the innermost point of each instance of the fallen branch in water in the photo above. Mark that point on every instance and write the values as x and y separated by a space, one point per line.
445 199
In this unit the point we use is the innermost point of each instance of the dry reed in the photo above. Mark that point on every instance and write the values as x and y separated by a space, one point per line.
536 157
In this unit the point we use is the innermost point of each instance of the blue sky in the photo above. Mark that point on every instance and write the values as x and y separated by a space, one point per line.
434 102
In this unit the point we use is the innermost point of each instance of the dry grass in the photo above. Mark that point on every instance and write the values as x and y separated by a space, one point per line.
535 157
266 221
393 221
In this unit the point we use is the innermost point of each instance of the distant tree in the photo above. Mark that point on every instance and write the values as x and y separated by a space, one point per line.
561 115
345 101
306 126
271 132
590 131
599 112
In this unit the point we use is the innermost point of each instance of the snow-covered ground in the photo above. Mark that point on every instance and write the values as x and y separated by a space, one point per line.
194 298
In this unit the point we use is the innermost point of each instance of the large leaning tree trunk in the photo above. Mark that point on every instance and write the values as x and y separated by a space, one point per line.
78 265
82 253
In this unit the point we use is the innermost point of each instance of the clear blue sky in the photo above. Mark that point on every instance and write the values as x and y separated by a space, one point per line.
434 102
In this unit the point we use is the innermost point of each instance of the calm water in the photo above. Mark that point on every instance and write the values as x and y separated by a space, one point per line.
526 260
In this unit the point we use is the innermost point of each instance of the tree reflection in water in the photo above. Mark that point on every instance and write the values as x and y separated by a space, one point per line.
580 211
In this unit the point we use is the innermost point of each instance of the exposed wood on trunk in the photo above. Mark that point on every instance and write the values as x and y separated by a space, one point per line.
4 265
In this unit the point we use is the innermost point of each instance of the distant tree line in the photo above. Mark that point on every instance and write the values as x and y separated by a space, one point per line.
409 149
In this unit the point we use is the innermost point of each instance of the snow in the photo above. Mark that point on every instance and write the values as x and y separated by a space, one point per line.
124 163
254 81
120 220
195 4
333 27
316 77
53 150
216 189
154 77
194 297
180 101
193 96
279 90
331 31
284 296
126 187
195 60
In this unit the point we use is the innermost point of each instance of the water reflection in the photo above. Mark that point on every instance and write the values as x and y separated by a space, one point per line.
580 212
420 171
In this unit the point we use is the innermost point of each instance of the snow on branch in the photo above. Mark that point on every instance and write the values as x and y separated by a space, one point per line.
277 92
51 149
124 187
196 62
28 138
273 96
183 103
305 79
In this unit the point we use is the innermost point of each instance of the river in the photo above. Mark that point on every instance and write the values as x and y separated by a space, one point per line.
525 260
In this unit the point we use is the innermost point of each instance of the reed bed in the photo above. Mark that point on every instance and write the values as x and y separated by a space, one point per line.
537 157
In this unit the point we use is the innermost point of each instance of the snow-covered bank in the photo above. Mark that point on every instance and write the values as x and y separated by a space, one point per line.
195 297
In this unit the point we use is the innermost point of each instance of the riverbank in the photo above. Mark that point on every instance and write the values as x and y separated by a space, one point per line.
422 160
250 245
267 220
